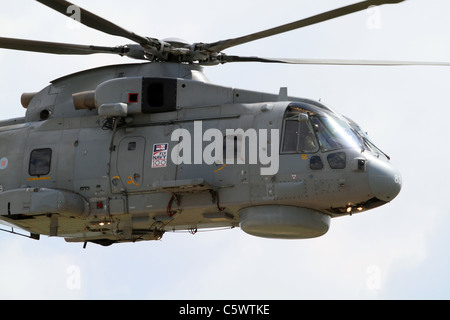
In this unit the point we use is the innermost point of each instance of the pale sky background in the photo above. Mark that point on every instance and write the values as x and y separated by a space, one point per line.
398 251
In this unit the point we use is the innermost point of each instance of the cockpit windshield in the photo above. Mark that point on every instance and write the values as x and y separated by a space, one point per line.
307 129
334 134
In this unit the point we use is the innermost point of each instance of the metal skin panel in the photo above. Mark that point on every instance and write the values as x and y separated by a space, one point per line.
130 163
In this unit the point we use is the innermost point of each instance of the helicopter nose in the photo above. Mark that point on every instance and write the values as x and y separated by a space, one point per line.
385 180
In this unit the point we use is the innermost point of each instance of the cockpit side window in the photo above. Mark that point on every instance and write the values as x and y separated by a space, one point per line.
308 129
307 142
290 136
298 137
328 139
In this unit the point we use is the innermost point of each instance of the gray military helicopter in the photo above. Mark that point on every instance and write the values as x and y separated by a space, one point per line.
125 153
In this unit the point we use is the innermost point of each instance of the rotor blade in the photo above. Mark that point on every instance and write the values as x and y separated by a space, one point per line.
385 63
56 48
224 44
91 20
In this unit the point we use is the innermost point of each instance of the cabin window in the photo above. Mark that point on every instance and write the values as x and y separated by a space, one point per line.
40 160
131 146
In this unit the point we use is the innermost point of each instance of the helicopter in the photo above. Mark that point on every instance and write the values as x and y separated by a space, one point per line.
126 153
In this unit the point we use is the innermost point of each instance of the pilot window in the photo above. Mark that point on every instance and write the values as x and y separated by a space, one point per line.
334 134
308 129
40 160
299 137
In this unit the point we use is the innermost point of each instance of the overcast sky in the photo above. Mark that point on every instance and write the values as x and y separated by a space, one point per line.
398 251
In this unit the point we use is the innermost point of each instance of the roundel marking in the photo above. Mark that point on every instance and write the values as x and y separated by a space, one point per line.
3 163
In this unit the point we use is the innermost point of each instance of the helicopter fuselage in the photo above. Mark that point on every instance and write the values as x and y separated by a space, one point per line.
126 153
